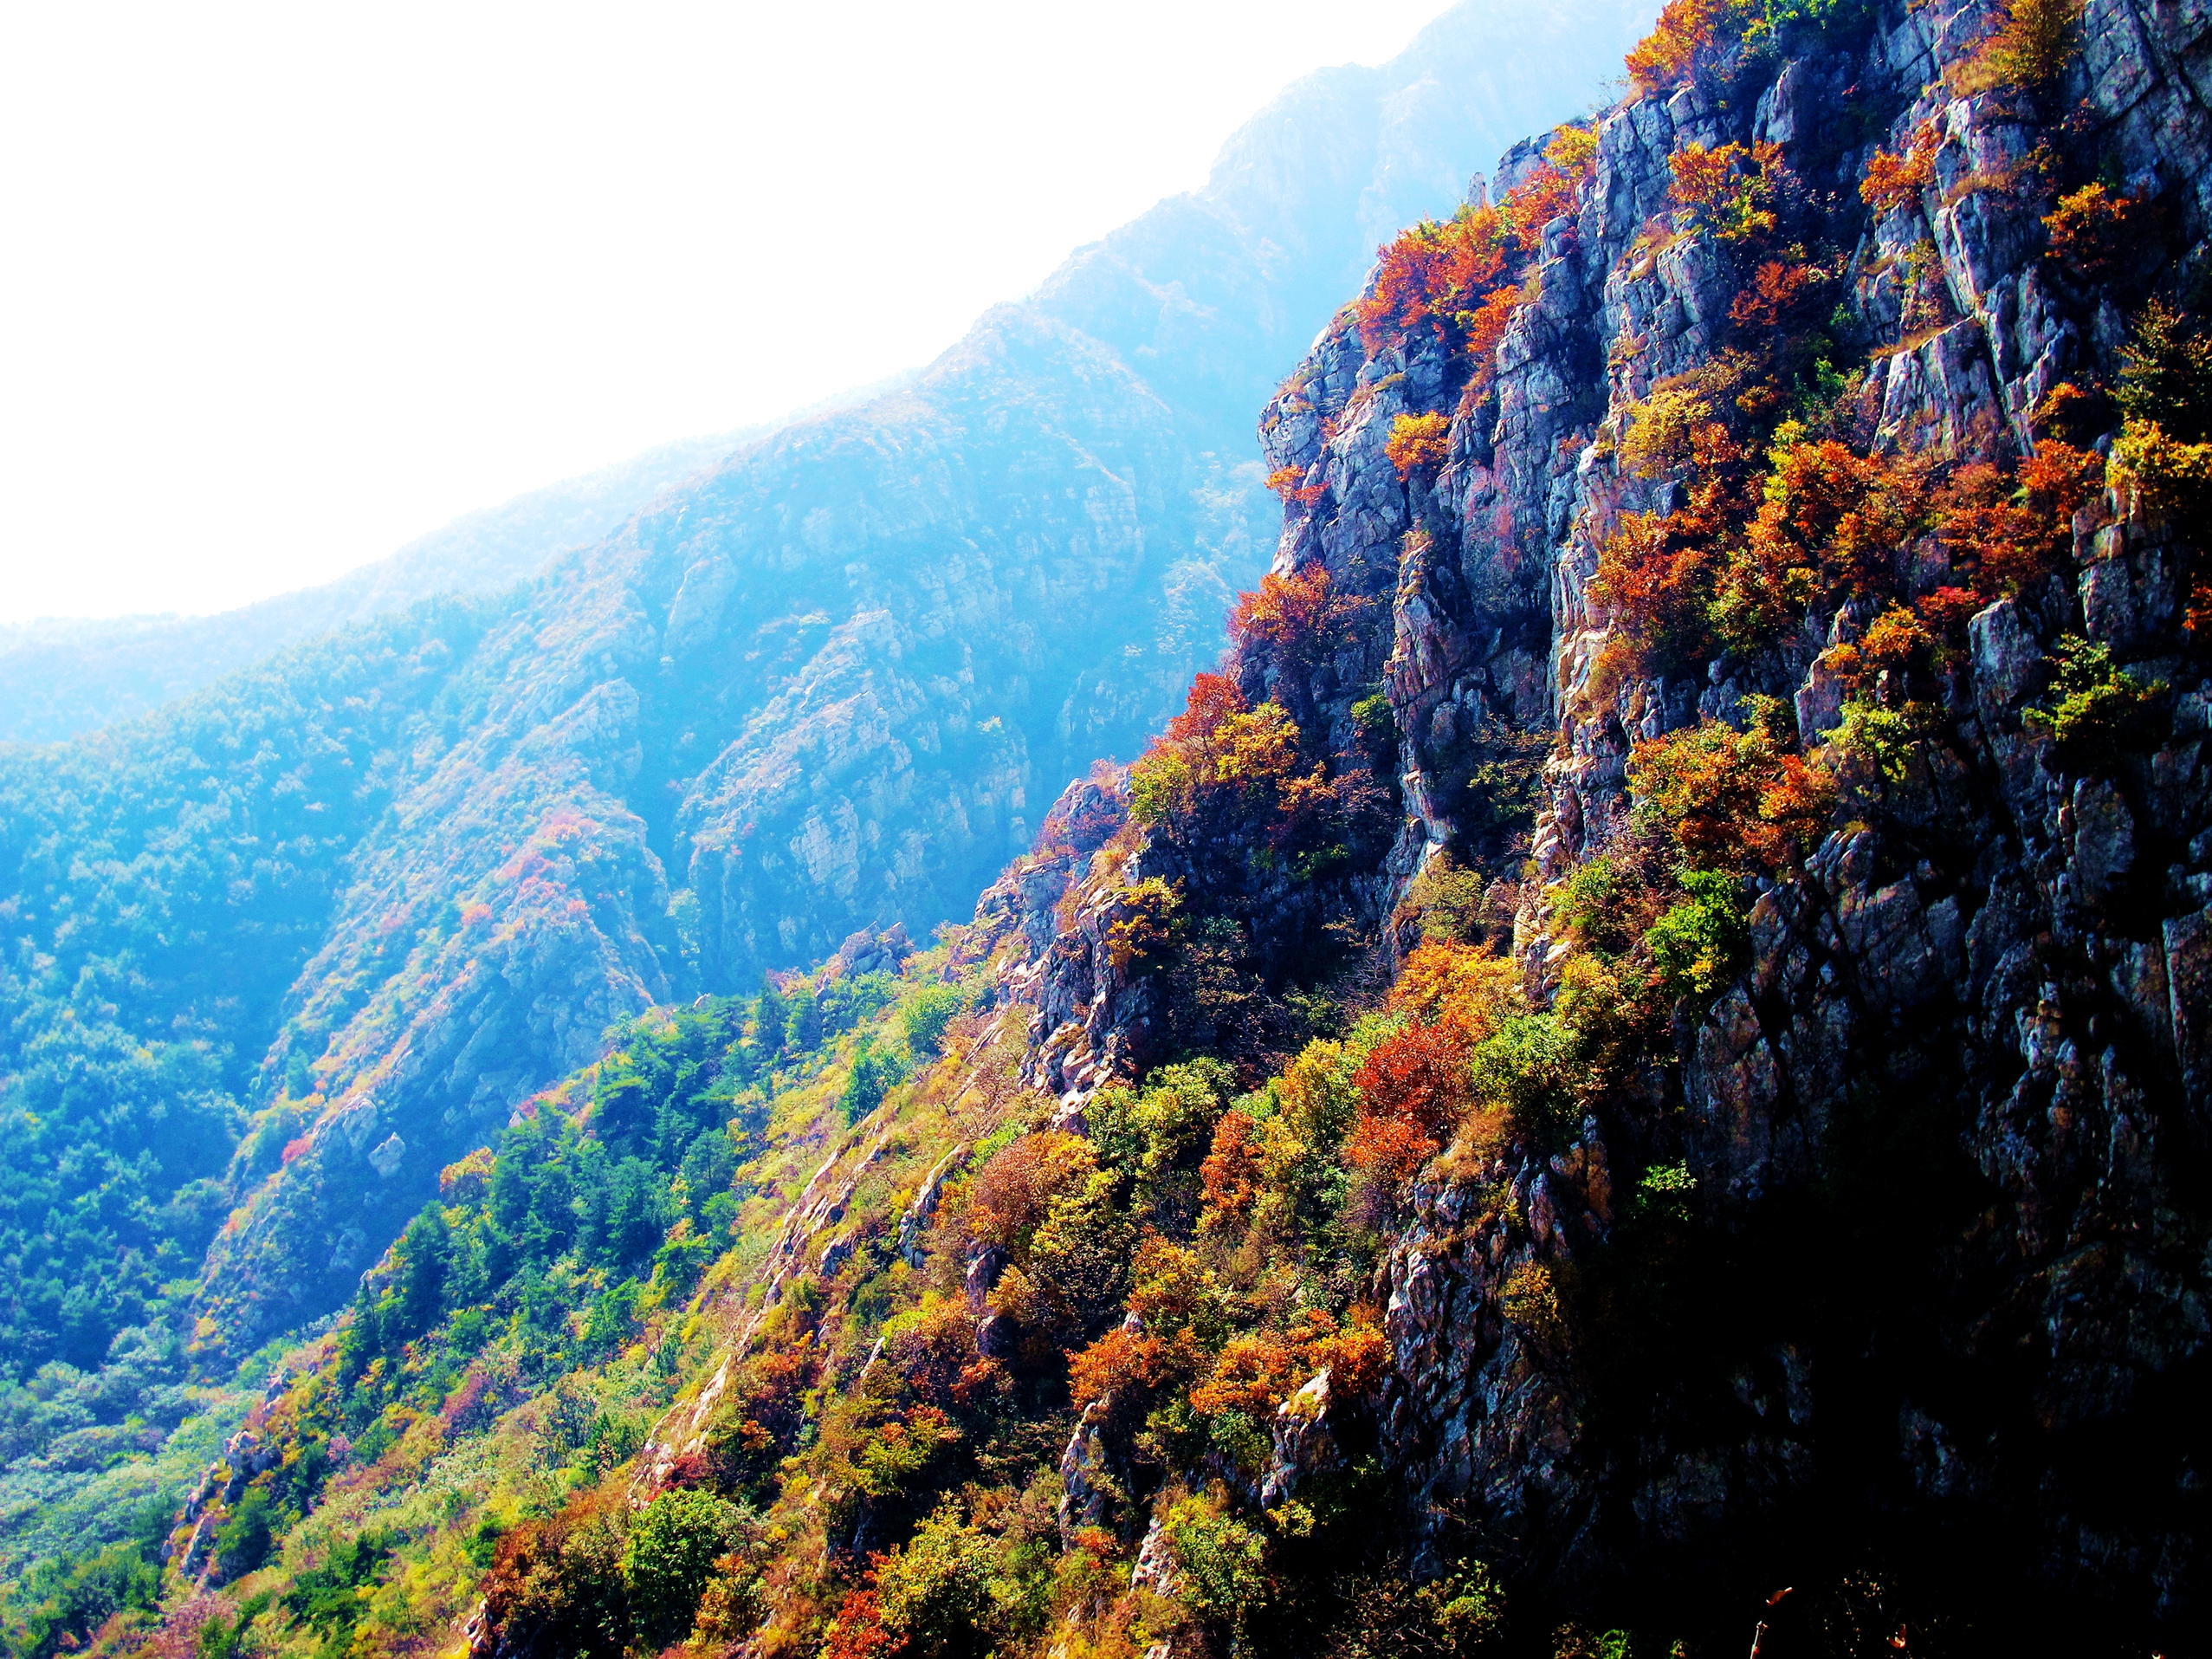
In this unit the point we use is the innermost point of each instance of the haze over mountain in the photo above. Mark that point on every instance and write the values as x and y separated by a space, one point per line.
61 677
376 891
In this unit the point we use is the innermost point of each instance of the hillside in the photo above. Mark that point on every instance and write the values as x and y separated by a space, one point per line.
280 951
1627 1078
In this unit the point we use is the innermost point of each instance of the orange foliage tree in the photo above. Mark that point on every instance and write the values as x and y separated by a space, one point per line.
1448 274
1231 1175
1665 58
1013 1193
1431 270
1829 527
1300 619
1778 289
1255 1373
2008 531
1443 982
2088 229
857 1632
1127 1367
1421 441
1894 640
1290 483
1657 575
1252 1376
1892 182
1719 194
1486 325
1705 179
1222 764
935 1357
1732 799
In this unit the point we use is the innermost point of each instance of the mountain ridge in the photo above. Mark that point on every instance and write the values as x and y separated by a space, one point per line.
61 677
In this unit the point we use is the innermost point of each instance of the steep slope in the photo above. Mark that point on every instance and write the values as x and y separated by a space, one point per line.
294 943
1734 668
1844 1183
825 685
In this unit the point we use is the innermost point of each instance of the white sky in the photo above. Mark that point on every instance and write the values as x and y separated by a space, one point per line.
285 286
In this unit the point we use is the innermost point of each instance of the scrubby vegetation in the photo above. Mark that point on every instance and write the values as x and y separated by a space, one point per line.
1460 280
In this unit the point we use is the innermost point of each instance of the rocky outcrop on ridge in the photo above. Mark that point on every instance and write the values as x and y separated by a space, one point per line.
1944 1134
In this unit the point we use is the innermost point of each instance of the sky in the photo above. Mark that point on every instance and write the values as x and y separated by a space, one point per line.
287 285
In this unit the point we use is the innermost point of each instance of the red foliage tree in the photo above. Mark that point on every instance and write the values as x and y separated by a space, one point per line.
1231 1173
857 1632
1413 1091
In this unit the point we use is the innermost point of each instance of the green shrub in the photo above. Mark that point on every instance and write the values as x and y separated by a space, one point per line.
1594 904
673 1547
1447 898
1703 943
939 1593
2166 375
60 1603
1221 1558
875 1072
1373 716
2094 710
926 1014
242 1542
1161 1133
328 1598
1664 1191
1456 1616
1525 1068
1885 738
1079 1263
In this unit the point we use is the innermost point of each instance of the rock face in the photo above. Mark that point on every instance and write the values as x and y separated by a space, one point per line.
1943 1138
829 683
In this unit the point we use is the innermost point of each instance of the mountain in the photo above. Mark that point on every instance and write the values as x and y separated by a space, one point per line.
282 949
1628 1075
61 677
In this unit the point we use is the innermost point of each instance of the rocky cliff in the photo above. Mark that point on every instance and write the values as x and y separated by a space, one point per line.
1898 1225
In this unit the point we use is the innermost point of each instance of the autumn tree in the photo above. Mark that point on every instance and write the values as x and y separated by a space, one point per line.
1414 1090
1731 799
1665 58
1418 443
1895 181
